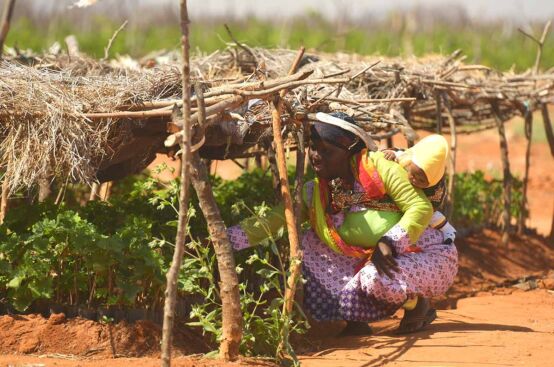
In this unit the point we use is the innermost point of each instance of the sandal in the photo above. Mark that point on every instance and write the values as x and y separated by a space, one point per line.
416 323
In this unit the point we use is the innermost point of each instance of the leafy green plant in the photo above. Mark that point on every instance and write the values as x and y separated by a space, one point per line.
116 254
478 201
262 297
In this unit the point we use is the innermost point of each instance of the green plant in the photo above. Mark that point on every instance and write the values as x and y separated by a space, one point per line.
478 201
116 254
261 298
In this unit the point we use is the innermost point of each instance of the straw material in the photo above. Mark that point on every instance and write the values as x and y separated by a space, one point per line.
48 125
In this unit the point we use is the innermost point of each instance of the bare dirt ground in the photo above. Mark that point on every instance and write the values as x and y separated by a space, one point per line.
512 330
490 330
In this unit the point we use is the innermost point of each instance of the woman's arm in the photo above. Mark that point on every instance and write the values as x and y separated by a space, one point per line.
256 229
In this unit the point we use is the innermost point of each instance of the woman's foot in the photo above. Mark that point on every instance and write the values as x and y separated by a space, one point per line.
418 318
356 328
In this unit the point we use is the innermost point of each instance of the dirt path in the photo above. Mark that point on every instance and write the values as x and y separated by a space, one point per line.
512 330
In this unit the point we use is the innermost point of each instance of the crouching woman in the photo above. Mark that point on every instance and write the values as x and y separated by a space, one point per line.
370 249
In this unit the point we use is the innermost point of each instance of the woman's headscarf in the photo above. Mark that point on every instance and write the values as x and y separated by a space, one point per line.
337 136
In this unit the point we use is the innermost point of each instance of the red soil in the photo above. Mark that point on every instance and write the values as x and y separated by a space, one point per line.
34 334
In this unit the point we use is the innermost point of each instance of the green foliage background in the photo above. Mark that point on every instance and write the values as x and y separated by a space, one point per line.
494 45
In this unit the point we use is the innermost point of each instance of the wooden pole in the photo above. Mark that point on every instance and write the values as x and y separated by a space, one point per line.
548 127
295 267
551 236
298 187
523 213
451 161
409 131
44 189
438 107
94 191
272 161
229 284
5 196
550 138
507 176
9 5
5 27
173 273
295 260
106 190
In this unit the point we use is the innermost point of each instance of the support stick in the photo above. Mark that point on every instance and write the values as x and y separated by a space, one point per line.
229 285
507 176
5 196
9 5
94 191
173 273
298 186
110 42
523 212
451 161
292 224
548 127
550 138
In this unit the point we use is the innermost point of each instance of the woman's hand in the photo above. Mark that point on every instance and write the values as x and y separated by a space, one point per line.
390 155
383 259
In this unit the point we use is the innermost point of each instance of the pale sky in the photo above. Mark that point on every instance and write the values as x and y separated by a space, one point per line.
521 11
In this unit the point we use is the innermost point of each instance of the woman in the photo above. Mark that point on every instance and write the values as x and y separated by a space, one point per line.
369 250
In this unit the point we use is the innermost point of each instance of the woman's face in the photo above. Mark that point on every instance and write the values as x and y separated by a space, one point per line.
328 160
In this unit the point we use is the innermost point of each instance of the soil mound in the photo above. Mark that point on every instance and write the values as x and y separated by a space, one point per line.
38 335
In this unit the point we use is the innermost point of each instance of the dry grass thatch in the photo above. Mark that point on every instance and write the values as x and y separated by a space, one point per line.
49 107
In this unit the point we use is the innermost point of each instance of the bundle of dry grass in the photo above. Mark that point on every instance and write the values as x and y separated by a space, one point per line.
66 117
44 130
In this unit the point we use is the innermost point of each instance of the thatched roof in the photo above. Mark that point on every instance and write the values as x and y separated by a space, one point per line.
87 120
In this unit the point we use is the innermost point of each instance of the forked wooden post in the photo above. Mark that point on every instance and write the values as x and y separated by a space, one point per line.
506 174
529 128
290 217
229 285
173 273
291 226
